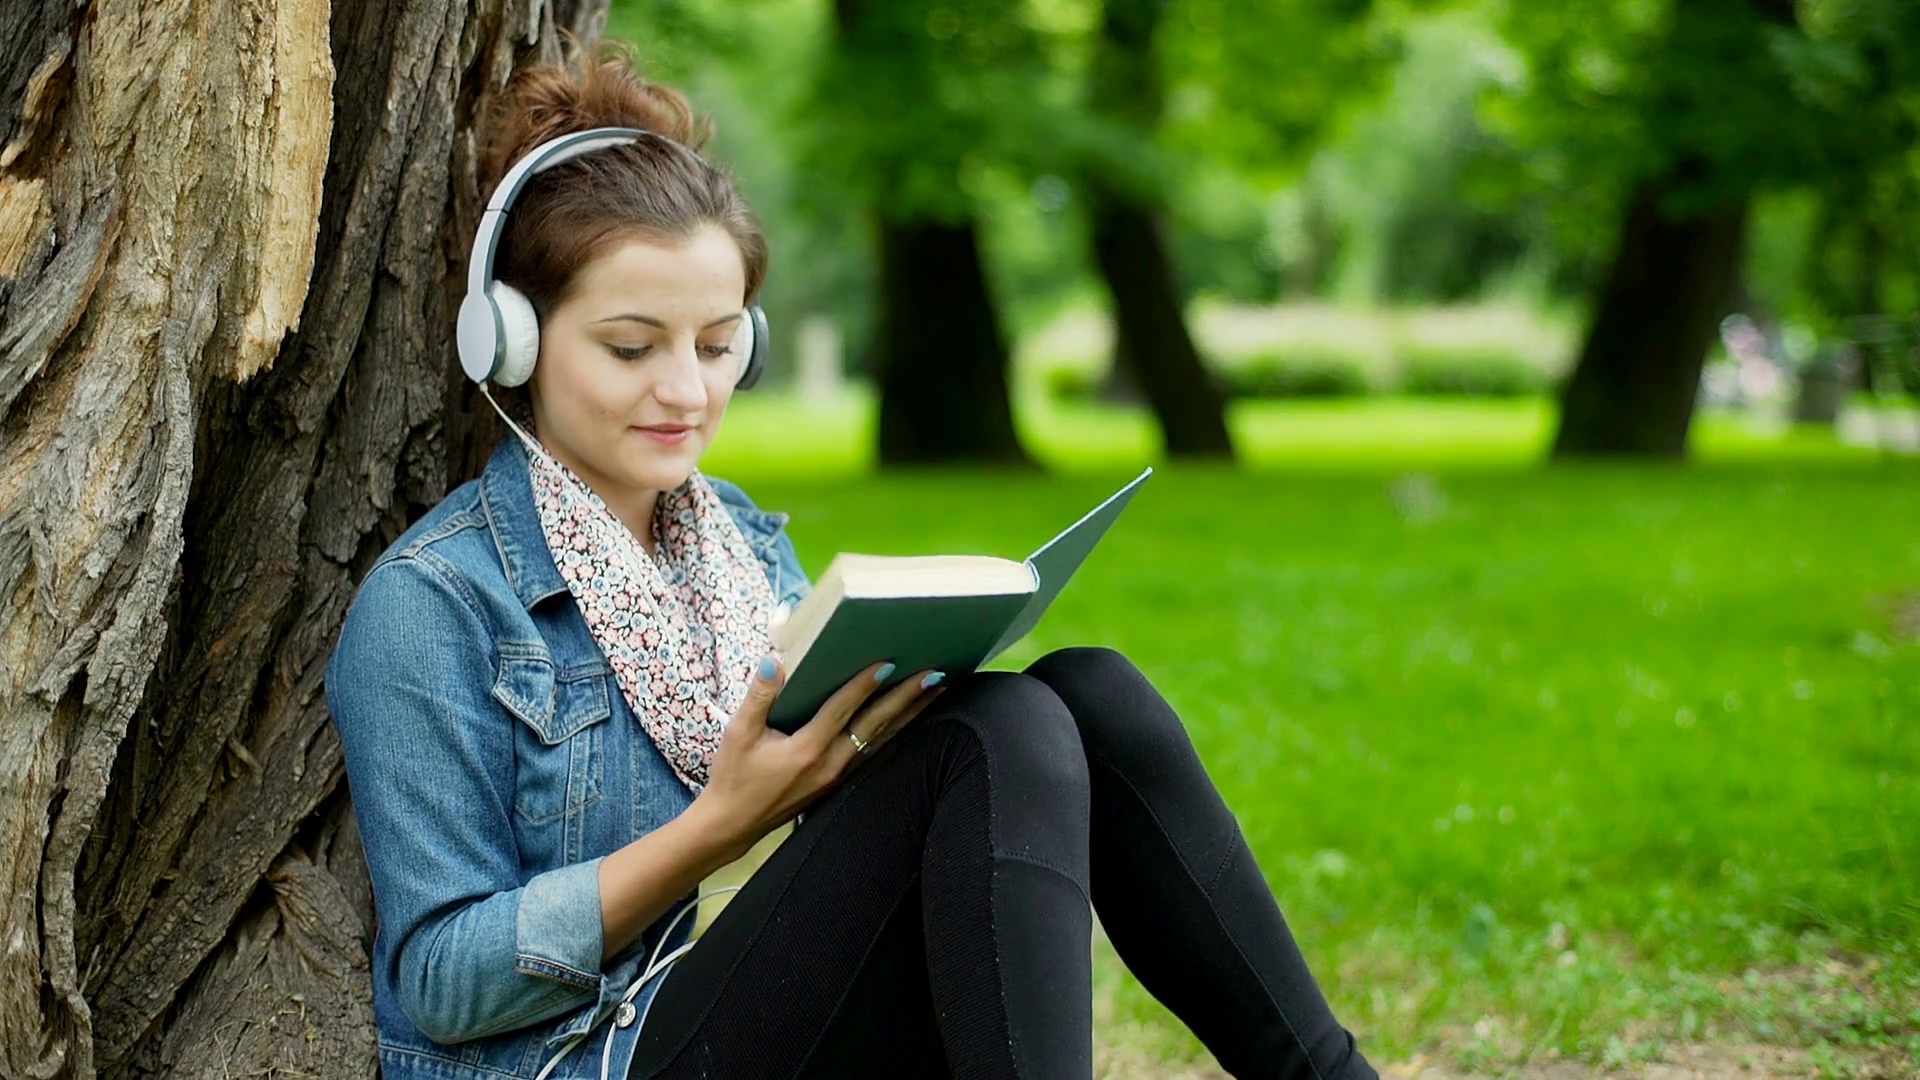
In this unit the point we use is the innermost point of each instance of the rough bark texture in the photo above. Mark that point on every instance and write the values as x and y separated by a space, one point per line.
1152 345
939 350
229 242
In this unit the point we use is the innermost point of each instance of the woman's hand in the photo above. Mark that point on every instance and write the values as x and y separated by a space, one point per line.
762 777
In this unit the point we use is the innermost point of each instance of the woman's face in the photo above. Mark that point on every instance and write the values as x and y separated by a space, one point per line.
638 363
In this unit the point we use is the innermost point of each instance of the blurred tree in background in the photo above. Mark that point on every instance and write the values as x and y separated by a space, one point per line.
1701 94
908 93
1681 114
1152 344
944 181
1257 86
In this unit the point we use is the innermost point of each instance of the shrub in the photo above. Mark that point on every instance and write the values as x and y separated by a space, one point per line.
1298 374
1073 383
1470 372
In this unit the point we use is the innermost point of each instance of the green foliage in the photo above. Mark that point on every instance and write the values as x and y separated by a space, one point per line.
751 68
1337 373
1304 351
1410 187
1470 372
1846 244
912 94
1811 106
1618 91
1371 152
1321 374
1257 86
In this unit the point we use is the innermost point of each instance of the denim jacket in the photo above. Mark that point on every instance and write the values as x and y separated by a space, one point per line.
493 762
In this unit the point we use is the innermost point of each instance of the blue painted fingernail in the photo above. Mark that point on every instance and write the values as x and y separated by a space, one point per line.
932 680
769 668
885 670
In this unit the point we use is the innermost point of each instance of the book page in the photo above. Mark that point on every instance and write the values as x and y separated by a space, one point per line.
932 575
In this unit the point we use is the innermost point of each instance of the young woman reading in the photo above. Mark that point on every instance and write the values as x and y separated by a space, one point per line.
552 693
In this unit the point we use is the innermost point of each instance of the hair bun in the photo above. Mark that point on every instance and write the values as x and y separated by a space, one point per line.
600 87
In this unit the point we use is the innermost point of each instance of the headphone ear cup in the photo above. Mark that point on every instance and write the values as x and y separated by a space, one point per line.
519 334
754 329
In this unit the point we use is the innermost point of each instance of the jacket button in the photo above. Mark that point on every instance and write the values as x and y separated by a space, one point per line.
623 1017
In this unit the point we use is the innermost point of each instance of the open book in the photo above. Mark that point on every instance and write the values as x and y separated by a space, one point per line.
951 613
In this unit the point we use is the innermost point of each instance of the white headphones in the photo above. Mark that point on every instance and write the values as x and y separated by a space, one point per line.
498 331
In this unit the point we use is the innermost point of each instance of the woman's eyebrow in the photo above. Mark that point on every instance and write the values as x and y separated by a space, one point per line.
630 316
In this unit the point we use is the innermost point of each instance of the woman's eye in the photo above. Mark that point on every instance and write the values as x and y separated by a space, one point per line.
630 352
716 351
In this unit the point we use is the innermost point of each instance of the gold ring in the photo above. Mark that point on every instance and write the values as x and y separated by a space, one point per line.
860 745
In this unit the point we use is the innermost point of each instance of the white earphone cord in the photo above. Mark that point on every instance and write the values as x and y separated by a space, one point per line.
656 965
533 446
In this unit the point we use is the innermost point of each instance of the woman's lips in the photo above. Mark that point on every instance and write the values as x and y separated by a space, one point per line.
670 434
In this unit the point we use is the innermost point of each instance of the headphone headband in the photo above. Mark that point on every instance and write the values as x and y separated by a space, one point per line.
493 220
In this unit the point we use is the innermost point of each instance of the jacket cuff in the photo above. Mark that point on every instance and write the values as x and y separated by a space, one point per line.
557 930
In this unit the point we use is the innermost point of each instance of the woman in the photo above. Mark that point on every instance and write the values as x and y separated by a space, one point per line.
552 693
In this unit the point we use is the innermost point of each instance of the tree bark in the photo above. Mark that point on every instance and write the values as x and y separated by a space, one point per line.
939 350
1152 345
229 249
1632 391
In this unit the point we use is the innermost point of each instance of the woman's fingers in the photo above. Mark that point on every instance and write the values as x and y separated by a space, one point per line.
914 708
750 719
883 712
884 715
831 721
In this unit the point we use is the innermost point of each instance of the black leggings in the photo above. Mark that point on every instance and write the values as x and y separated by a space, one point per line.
930 915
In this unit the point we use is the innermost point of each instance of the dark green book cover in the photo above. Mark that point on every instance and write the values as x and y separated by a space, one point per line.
946 633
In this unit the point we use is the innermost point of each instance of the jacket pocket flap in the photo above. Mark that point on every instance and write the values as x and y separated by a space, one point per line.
554 708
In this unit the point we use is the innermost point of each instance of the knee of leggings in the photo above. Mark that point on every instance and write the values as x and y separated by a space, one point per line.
1120 716
1027 733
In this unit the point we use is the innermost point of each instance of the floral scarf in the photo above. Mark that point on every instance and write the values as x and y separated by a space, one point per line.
684 628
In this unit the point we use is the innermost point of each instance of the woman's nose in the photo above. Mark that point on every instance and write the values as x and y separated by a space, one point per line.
680 385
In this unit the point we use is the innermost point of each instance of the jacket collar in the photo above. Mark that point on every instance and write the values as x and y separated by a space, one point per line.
506 497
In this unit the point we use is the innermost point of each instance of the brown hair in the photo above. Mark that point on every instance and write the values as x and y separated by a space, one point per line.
658 189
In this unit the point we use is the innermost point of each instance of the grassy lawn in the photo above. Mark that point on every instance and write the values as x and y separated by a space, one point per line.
1540 762
772 436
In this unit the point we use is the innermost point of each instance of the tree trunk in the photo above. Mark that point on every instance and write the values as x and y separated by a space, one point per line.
229 246
1152 346
1632 391
1150 330
939 350
1673 277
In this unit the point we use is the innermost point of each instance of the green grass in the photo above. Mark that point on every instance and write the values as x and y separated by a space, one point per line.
769 436
1574 760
